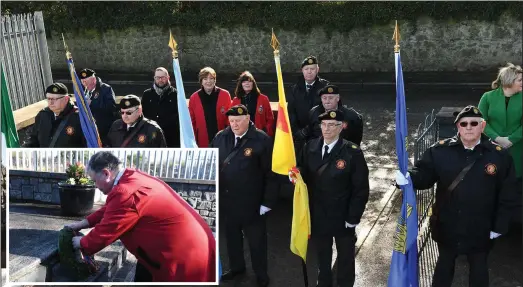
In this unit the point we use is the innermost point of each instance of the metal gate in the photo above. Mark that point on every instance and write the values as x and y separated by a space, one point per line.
25 58
427 135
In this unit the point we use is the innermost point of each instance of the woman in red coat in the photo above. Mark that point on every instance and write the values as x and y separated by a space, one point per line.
171 241
207 107
247 93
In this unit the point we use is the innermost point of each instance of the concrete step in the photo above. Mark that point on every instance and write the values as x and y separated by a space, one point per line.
33 246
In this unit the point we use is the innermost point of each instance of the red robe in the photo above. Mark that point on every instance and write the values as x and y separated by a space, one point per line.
264 118
157 226
198 116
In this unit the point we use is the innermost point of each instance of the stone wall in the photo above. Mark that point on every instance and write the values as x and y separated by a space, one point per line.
426 45
43 187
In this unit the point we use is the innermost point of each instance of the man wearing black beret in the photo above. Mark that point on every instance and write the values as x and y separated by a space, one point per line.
133 129
337 177
475 195
303 97
57 125
247 191
330 100
101 101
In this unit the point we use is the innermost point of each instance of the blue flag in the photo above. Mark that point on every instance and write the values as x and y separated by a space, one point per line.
187 139
404 263
86 117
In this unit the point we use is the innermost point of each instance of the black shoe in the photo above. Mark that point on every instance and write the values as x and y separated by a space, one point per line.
230 274
263 282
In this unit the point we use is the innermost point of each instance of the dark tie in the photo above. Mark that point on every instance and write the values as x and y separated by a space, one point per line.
309 87
326 151
237 142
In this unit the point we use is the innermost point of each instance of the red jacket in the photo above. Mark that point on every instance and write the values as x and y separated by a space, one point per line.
198 117
264 118
157 226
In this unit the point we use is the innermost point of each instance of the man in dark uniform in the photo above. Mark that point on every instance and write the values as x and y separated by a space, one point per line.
134 130
475 190
330 100
302 98
160 104
101 101
337 177
58 125
246 191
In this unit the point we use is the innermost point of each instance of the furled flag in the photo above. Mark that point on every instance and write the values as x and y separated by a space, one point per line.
9 133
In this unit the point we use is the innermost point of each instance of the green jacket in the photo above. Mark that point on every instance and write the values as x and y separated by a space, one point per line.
503 121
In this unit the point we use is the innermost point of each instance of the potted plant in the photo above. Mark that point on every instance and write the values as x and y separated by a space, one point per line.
77 192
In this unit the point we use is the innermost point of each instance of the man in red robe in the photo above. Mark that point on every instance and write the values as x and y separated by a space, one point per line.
169 238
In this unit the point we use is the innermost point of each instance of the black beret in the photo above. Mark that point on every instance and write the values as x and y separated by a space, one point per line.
238 110
85 73
310 60
57 88
130 101
468 111
329 89
331 115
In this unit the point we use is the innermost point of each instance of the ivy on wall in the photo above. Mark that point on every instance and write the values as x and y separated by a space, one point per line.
292 16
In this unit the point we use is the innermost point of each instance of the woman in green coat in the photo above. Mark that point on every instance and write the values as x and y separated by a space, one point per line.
502 111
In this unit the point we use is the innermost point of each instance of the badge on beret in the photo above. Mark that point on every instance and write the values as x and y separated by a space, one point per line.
240 111
55 89
340 164
141 138
311 61
476 111
490 169
332 114
247 152
498 148
260 110
84 74
69 130
330 90
127 103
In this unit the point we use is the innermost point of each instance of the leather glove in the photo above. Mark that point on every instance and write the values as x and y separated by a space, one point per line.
292 174
401 179
494 235
76 242
504 142
348 225
264 209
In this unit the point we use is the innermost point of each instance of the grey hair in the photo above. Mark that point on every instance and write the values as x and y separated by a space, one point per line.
507 76
103 159
162 69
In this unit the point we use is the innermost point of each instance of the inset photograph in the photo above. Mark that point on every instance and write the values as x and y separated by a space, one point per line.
112 215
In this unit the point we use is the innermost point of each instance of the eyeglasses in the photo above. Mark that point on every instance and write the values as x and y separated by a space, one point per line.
472 124
330 126
128 112
52 100
160 77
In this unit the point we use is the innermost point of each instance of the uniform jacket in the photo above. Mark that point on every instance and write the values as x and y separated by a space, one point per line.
198 117
504 122
45 126
247 182
264 118
103 107
480 203
149 135
352 128
157 226
163 110
341 192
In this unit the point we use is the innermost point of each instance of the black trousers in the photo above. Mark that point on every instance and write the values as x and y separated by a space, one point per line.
444 272
142 274
256 234
345 245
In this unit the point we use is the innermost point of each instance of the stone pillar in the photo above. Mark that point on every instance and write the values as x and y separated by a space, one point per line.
445 120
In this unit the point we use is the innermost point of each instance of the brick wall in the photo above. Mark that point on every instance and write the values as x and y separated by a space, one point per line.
43 187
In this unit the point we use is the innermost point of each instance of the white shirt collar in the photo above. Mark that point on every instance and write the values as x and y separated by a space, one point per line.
130 126
235 136
118 176
331 145
472 148
310 83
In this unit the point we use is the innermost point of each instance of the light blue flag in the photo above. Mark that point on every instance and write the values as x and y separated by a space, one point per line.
404 263
187 139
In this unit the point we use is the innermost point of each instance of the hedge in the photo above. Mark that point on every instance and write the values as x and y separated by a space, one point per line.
298 16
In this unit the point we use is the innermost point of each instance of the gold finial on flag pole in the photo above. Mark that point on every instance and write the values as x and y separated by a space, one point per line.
396 37
275 44
173 45
67 53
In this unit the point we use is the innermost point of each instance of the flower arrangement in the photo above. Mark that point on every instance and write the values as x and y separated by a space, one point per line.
76 174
